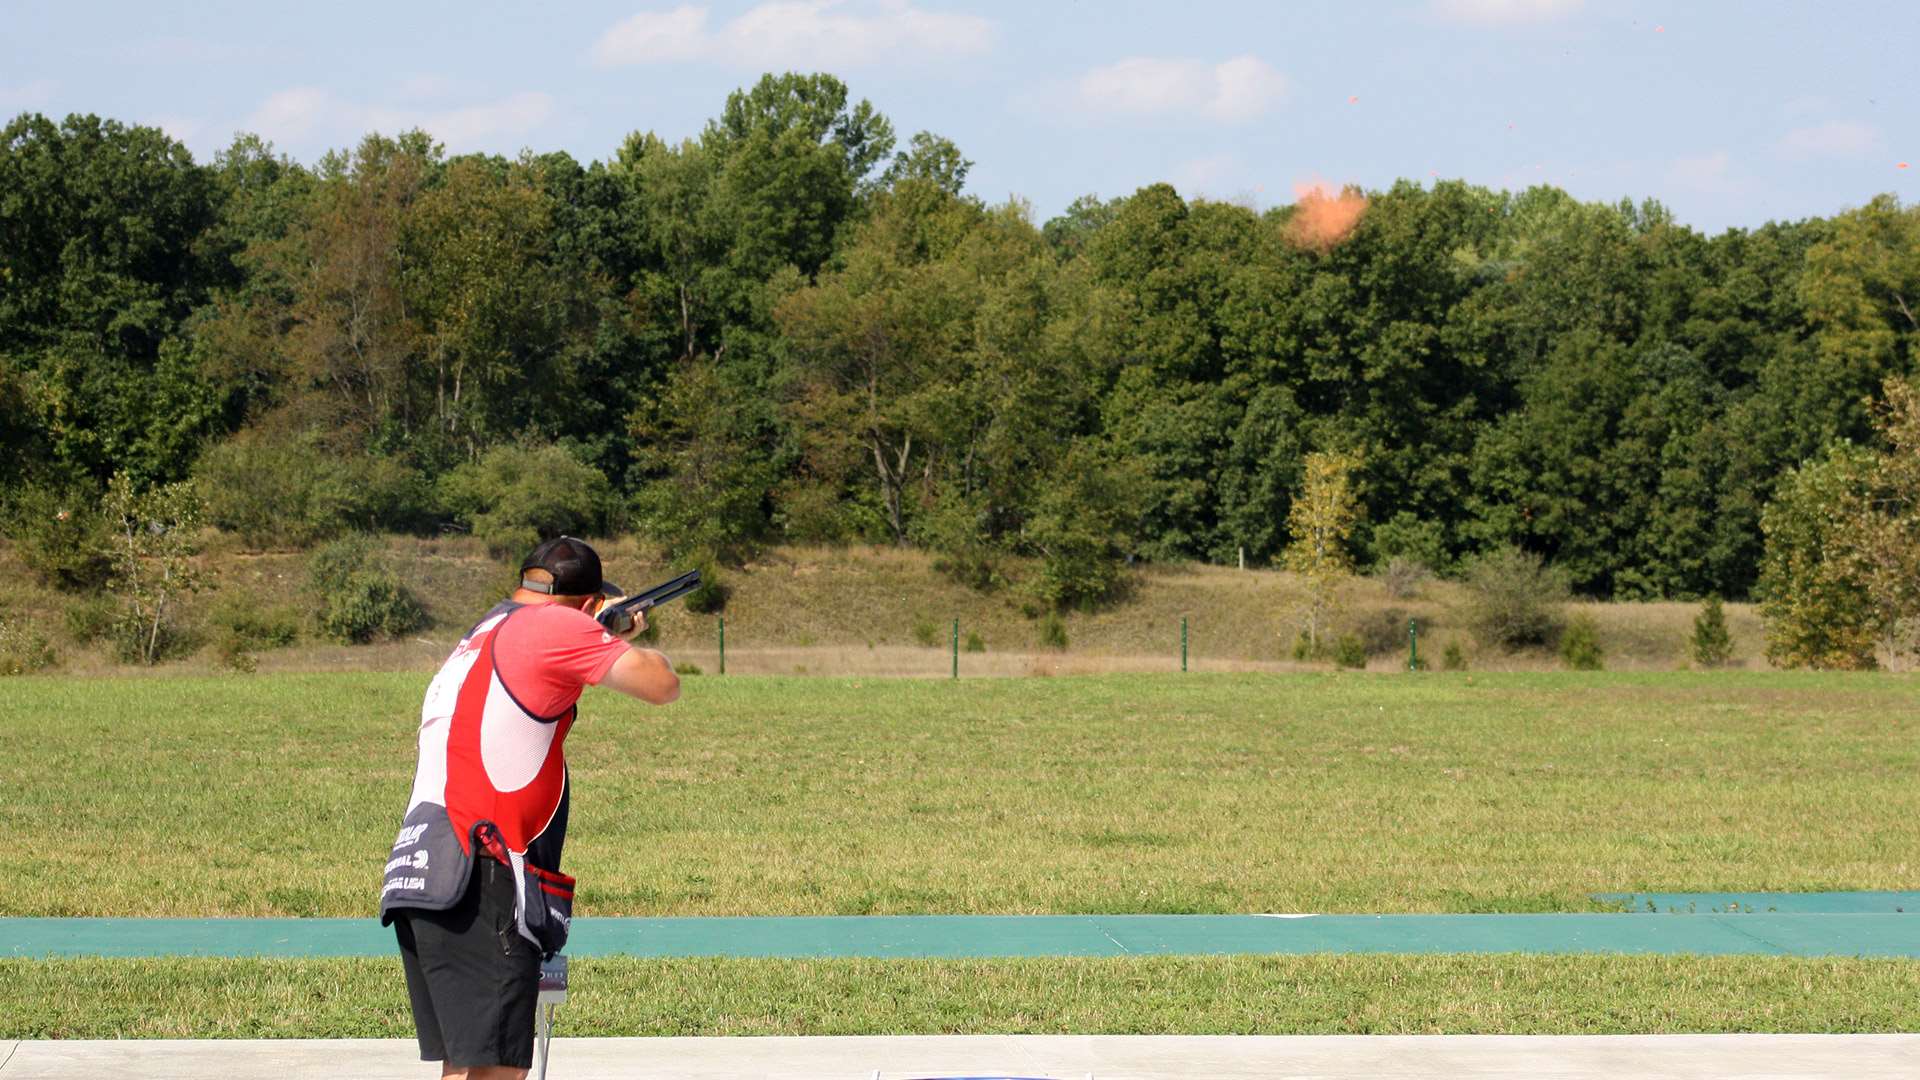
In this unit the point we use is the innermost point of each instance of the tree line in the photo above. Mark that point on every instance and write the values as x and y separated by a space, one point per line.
794 327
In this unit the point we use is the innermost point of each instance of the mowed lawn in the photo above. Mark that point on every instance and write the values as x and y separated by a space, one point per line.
1349 793
1330 793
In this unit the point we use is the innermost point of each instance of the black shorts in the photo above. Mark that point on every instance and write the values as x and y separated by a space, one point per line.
472 978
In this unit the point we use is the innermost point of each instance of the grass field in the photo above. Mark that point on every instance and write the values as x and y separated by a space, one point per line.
1538 995
1215 793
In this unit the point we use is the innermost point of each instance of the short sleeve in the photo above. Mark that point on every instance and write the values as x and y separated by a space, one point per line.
547 653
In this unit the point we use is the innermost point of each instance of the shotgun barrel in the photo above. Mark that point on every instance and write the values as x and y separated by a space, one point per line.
618 617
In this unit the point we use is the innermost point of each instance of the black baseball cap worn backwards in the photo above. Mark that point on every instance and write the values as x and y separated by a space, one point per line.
574 564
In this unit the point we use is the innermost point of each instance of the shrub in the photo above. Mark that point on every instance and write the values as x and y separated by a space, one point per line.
926 633
711 597
358 597
1454 658
507 540
975 643
1402 577
1350 652
1817 601
1513 599
1580 645
1303 647
154 536
23 648
1382 632
977 568
516 496
136 640
242 627
62 537
687 667
1053 631
372 605
294 491
90 618
1712 644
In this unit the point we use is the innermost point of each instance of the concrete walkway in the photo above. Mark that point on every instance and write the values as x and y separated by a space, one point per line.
1063 1057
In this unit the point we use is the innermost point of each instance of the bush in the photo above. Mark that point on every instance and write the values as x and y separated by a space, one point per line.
360 598
975 643
1350 652
62 537
926 633
1817 601
154 536
372 605
1053 631
516 496
90 618
137 640
23 648
1580 645
1454 658
711 597
1303 649
242 628
1402 577
977 568
295 491
1382 632
1514 599
687 667
1712 644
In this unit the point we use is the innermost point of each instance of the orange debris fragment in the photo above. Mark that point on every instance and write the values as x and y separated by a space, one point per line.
1321 219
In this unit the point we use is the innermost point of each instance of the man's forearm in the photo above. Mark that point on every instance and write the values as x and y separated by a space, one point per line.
644 673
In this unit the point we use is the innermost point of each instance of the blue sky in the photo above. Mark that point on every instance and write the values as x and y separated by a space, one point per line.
1732 114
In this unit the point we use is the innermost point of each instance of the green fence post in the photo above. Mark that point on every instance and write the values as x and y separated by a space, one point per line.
723 644
1183 643
956 648
1413 646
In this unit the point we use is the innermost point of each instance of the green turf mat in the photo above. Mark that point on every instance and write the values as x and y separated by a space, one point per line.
1781 903
953 936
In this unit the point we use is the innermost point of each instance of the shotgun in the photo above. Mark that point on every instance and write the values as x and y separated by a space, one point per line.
618 616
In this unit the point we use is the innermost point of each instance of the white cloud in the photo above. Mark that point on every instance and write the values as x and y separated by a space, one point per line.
426 87
1205 175
184 129
1708 173
793 33
32 97
309 113
293 114
1836 138
680 34
1502 12
1234 90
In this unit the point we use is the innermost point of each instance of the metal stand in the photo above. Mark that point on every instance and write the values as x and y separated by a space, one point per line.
553 991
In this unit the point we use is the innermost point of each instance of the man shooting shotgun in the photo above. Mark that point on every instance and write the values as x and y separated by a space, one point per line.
472 884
